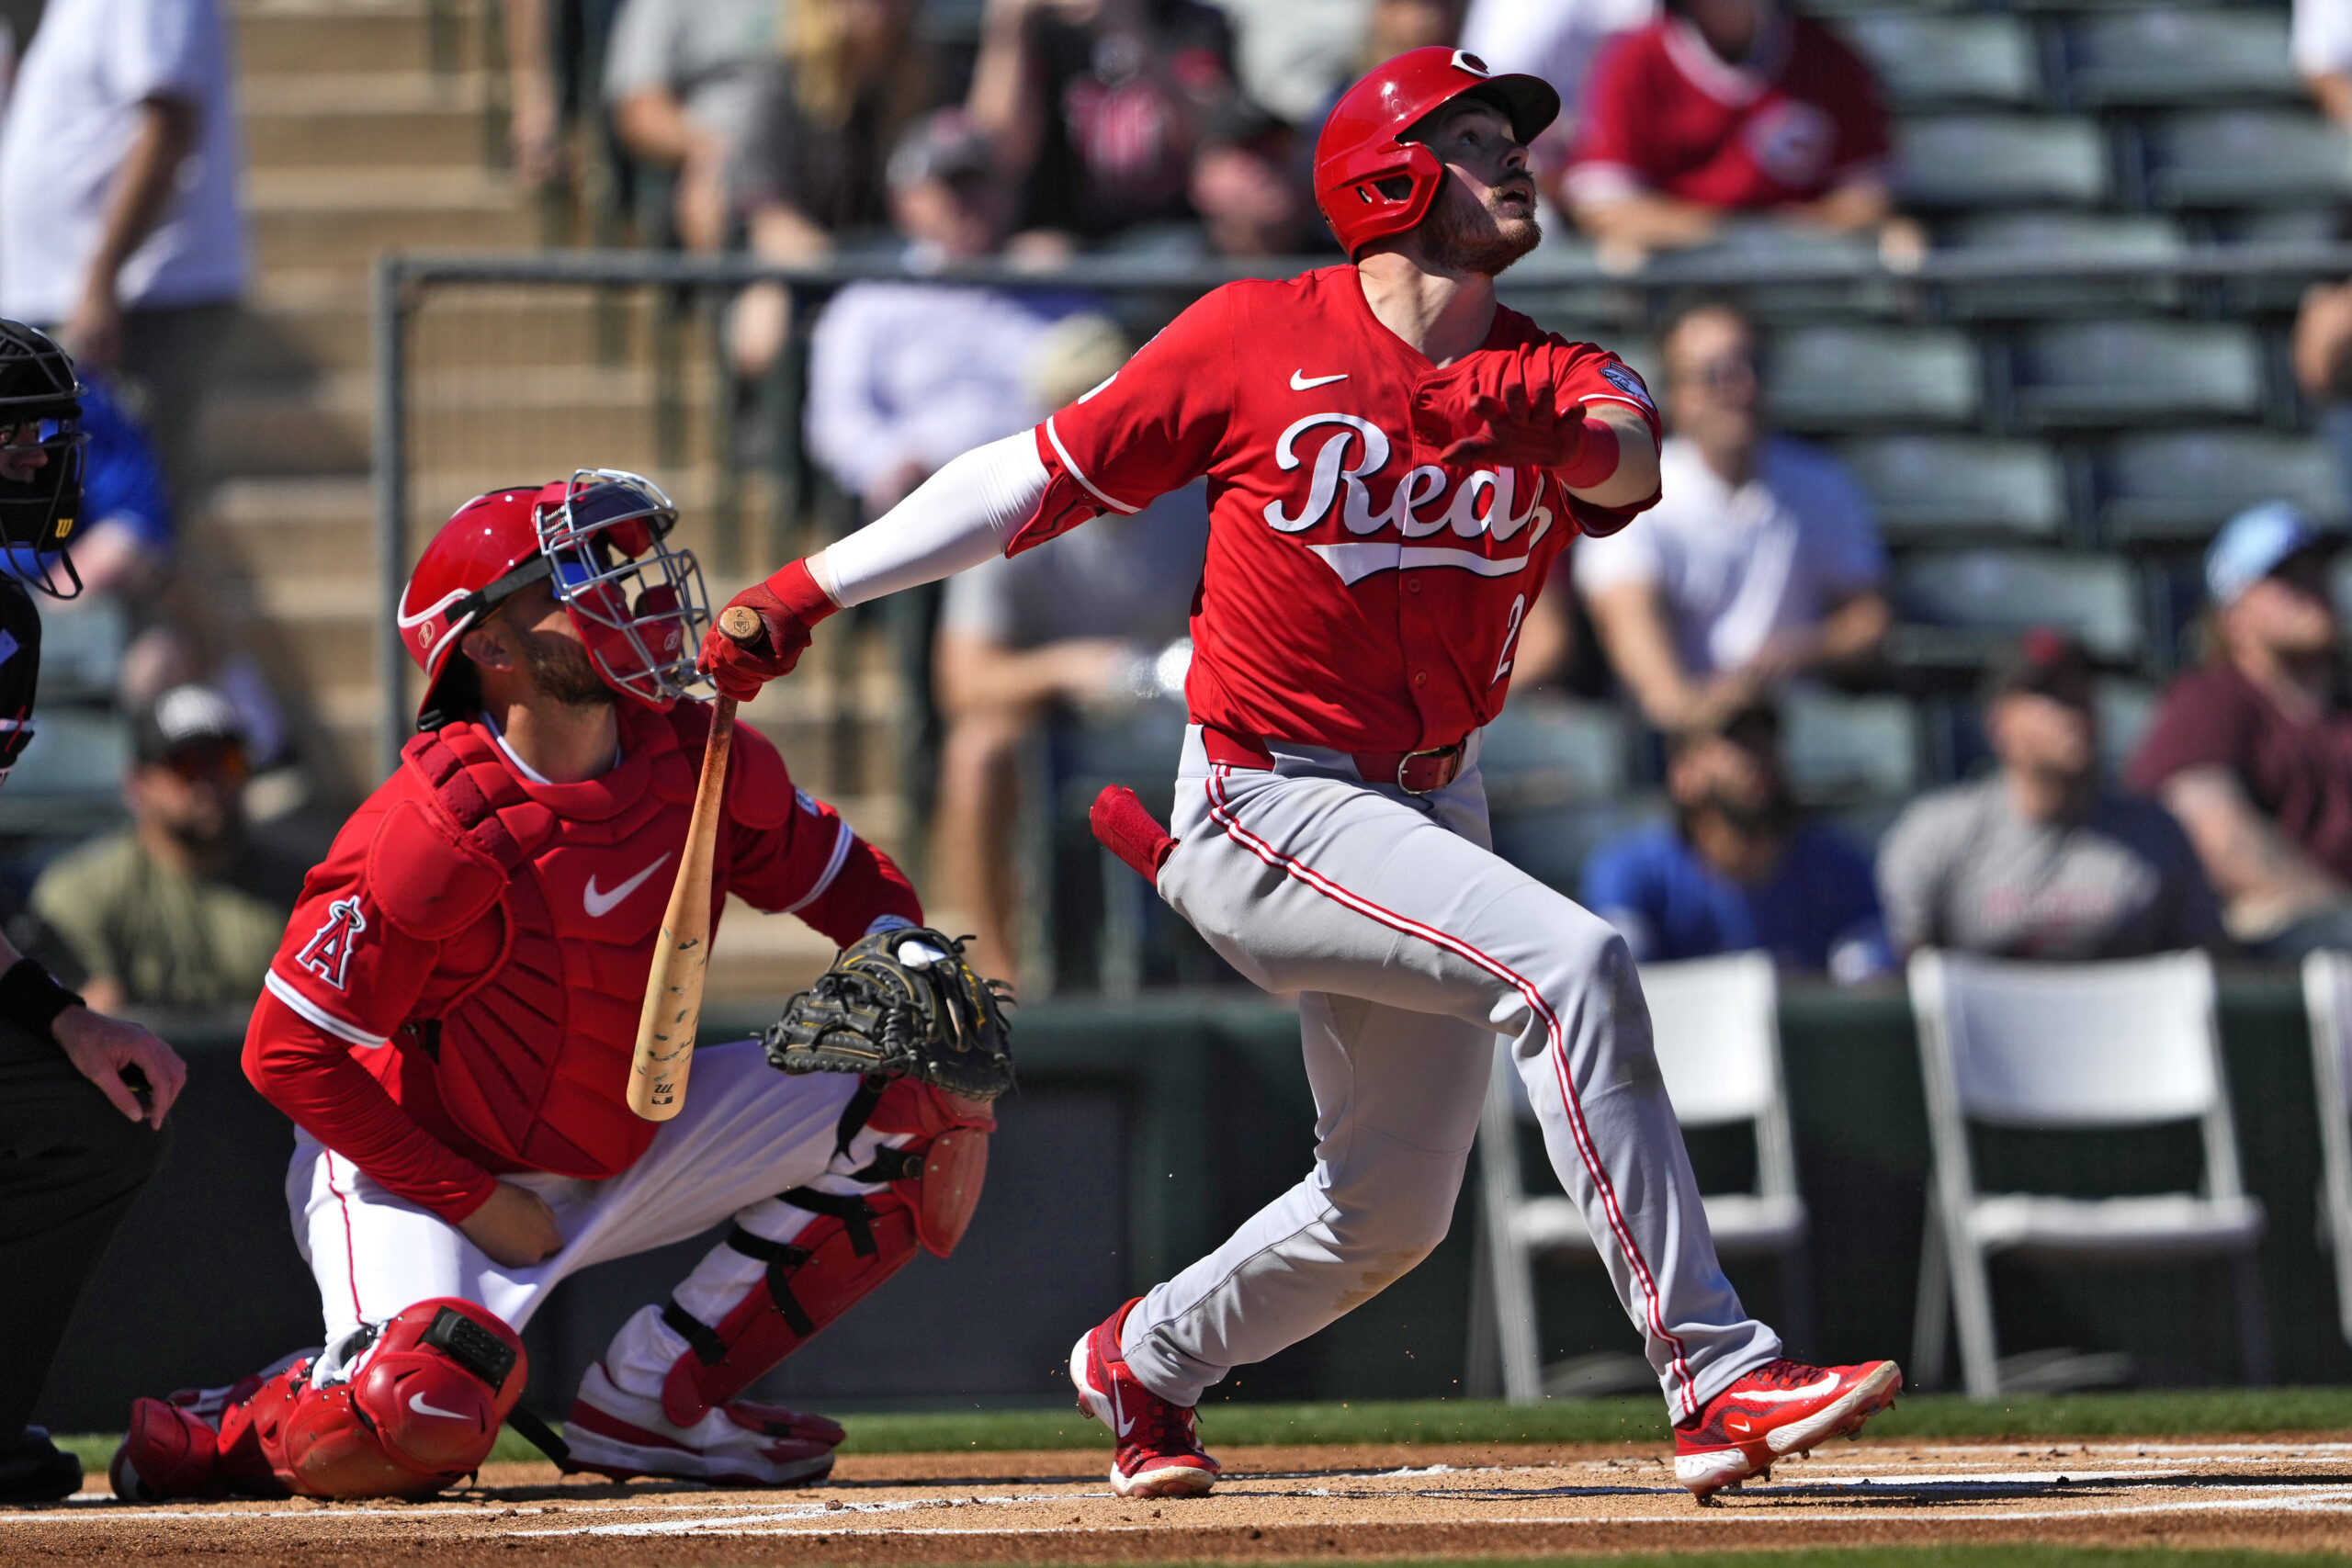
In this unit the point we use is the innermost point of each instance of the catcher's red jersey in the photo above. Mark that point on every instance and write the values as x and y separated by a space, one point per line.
1359 593
457 993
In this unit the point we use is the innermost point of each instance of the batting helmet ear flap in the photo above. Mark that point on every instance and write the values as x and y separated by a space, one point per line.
1363 184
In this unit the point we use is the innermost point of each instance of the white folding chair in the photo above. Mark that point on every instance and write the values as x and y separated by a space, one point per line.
2055 1046
2327 997
1716 1025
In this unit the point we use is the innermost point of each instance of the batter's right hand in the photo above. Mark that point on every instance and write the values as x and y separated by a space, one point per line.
788 605
515 1228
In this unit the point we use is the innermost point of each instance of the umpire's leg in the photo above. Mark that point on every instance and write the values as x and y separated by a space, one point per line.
70 1166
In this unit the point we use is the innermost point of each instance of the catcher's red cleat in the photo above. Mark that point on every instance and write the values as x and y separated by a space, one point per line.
172 1448
1159 1452
1781 1408
739 1444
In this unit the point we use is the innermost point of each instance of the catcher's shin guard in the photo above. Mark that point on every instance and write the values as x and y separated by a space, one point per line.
854 1243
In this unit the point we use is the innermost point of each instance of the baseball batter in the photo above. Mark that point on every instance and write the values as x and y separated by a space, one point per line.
449 1023
1395 462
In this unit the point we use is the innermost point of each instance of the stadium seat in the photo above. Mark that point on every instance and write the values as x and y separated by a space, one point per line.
1972 604
2009 237
1842 750
2161 56
1942 486
2327 998
1949 59
2123 707
2183 485
1716 1025
2079 374
70 779
2070 1047
1543 752
1837 377
2246 158
81 650
2003 161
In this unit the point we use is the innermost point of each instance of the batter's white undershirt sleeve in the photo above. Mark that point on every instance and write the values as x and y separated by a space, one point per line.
960 517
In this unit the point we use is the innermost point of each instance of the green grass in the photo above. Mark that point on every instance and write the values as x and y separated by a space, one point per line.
2199 1413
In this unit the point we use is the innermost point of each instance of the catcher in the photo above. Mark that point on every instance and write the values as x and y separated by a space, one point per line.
449 1025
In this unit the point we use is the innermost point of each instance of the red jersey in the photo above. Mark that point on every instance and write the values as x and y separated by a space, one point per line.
459 990
1358 592
1663 113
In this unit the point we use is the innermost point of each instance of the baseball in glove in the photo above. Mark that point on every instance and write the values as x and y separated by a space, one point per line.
903 1004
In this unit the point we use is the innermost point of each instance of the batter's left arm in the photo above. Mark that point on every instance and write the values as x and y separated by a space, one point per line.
1634 478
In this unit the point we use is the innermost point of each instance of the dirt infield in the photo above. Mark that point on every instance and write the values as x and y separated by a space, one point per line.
1272 1504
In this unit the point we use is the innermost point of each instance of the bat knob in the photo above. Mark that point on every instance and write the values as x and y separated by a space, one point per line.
742 625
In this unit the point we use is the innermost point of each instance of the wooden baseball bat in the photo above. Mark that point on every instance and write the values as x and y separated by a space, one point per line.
665 1029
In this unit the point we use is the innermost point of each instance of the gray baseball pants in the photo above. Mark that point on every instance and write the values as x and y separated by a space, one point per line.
1412 946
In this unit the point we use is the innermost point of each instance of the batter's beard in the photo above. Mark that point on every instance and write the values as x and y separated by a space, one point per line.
562 669
1453 240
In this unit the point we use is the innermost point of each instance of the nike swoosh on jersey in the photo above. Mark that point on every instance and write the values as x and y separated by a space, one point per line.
1781 1395
417 1403
1300 380
601 904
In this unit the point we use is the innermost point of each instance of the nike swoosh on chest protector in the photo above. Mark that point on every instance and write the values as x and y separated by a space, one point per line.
601 904
417 1403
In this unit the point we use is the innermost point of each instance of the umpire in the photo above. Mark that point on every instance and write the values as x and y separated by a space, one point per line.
82 1096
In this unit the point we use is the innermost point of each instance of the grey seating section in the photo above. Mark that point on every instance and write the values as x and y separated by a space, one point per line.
1949 59
1842 750
2246 158
1997 594
2124 708
1947 485
81 652
1542 753
69 782
2163 55
2067 237
2089 374
1840 377
2003 161
2186 484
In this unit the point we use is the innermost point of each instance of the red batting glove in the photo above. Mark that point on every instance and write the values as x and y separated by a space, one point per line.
1516 431
788 605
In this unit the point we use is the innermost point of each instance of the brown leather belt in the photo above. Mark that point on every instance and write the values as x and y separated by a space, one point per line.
1415 773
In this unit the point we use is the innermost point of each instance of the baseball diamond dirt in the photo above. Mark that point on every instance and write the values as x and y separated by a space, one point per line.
2280 1493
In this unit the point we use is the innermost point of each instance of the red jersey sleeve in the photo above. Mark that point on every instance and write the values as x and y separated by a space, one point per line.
789 853
1864 142
1614 152
1153 427
347 977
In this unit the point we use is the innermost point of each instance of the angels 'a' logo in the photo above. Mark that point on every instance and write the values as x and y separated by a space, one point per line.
328 953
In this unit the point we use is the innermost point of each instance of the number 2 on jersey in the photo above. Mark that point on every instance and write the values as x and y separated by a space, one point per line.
1510 638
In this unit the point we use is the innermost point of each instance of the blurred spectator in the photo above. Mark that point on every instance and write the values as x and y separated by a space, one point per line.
1723 107
1295 56
1092 105
1737 869
1245 187
180 910
2253 753
1555 39
2322 355
2043 859
556 58
2323 46
1762 564
904 376
681 79
119 177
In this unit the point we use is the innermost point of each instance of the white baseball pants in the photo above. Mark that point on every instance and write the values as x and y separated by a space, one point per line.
746 1133
1412 945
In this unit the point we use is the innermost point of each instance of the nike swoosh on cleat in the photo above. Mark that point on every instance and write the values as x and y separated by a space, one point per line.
1300 380
601 904
1784 1395
417 1403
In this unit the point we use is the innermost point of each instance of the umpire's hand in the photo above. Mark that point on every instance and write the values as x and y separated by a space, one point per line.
125 1060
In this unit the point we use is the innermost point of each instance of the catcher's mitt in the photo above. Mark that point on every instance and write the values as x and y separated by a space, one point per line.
905 1004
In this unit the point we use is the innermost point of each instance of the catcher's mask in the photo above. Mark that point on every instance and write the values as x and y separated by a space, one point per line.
41 458
600 541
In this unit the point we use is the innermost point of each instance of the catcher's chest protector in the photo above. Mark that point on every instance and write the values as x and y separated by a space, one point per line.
531 1058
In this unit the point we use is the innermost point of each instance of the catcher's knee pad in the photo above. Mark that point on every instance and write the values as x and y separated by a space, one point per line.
422 1410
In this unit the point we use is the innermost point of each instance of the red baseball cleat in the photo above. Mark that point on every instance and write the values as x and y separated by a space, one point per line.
1159 1451
1781 1408
739 1444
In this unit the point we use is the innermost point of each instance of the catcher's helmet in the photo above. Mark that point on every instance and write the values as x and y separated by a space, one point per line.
41 409
599 539
1363 146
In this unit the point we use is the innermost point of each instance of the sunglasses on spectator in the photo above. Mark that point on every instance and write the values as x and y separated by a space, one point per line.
1725 373
224 761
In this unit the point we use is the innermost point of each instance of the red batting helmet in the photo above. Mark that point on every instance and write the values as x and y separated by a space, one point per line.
1362 146
637 603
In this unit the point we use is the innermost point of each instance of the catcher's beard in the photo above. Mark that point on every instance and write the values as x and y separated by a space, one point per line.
561 667
1460 235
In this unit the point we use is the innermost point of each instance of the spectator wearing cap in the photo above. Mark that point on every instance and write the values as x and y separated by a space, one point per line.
682 81
1739 869
1728 107
2253 751
1761 565
181 909
1245 185
905 375
2043 858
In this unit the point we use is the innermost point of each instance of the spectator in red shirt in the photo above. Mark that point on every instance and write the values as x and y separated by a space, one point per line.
1723 107
2253 751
